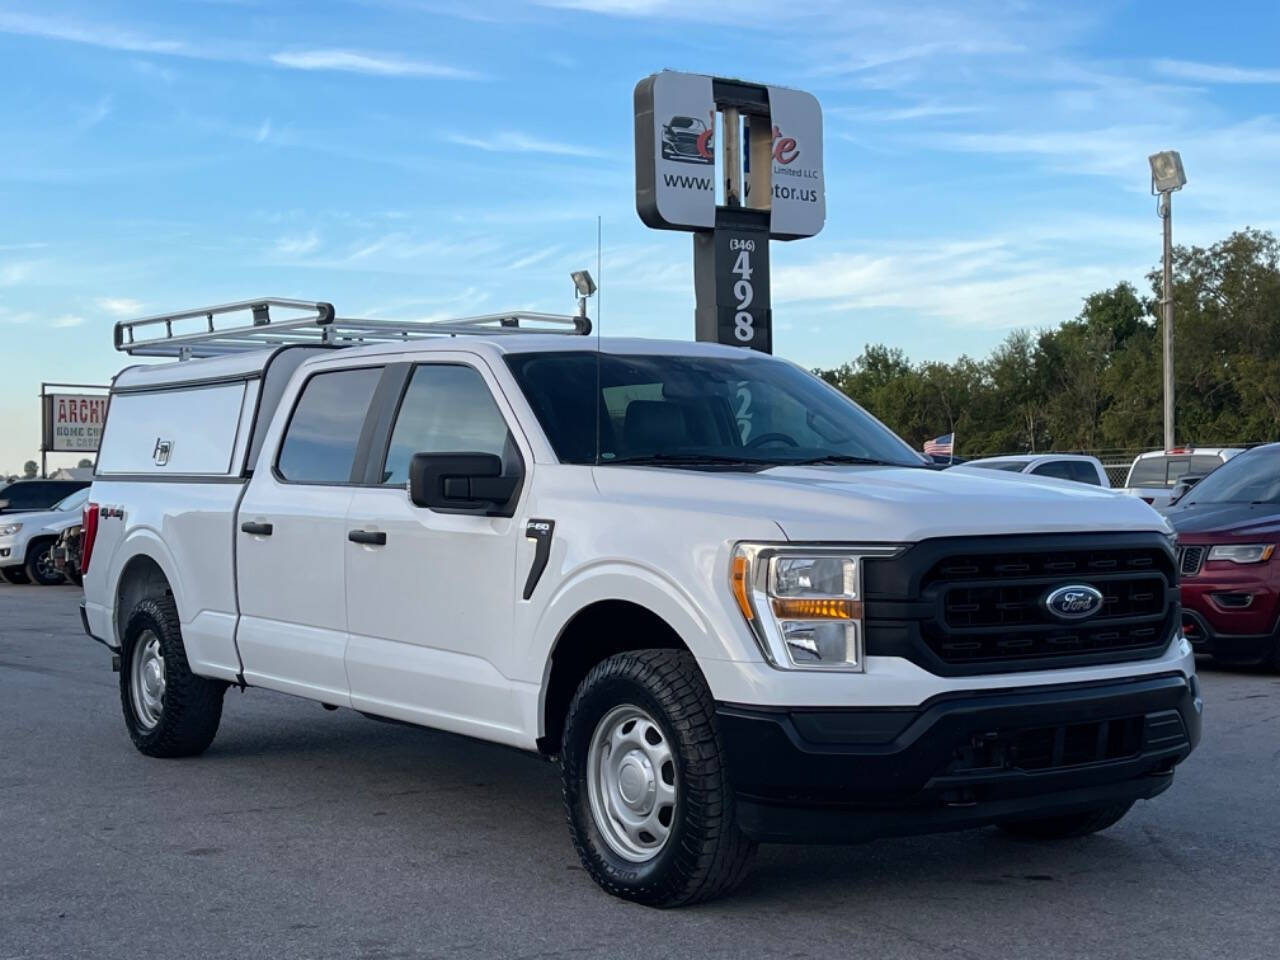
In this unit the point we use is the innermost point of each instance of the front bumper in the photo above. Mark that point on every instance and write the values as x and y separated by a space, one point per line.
1239 648
1237 632
958 761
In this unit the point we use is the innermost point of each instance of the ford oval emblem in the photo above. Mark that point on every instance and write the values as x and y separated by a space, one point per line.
1074 602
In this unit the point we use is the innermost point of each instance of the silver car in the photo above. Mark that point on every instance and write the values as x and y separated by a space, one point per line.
27 539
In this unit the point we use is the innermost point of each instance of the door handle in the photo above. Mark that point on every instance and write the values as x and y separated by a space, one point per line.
374 538
257 529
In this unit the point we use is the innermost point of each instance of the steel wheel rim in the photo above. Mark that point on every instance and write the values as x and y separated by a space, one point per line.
631 783
147 679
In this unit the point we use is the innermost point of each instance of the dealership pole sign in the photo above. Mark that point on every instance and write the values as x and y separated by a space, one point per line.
771 170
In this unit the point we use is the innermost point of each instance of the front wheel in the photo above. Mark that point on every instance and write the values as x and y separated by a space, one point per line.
1068 825
647 795
169 711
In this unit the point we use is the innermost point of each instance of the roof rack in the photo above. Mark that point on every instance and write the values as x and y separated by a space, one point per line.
311 322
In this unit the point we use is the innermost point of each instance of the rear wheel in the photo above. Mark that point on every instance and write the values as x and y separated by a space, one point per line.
1067 825
648 798
40 567
169 711
15 575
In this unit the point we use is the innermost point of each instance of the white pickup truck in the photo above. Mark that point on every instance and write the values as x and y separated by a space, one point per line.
735 607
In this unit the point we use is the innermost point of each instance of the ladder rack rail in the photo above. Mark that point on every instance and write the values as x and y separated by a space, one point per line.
314 323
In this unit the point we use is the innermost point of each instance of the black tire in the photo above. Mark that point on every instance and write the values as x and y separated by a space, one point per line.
1067 825
705 854
15 575
39 567
191 706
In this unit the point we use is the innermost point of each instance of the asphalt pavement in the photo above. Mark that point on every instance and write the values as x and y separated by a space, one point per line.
303 833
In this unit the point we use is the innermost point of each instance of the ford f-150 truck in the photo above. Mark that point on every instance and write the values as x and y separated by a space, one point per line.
733 605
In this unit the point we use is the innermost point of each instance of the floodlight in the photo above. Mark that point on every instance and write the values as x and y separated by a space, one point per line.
1166 171
582 280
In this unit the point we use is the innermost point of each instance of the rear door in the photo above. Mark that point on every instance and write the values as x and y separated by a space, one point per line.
430 605
291 537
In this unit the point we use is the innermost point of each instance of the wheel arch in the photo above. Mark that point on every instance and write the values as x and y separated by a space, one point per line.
593 634
141 576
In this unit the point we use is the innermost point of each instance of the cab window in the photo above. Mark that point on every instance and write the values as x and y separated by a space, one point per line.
447 408
320 441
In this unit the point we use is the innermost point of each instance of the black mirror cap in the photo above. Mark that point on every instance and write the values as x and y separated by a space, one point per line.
462 483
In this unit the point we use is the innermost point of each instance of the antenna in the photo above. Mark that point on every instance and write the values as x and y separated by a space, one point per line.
599 397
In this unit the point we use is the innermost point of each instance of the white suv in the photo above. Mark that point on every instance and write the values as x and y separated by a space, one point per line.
735 606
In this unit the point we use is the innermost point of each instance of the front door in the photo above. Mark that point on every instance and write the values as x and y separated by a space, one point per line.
291 539
430 596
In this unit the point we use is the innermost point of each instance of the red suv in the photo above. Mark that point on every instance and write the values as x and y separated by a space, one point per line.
1228 530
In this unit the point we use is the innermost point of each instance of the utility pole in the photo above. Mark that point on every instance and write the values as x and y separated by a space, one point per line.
1167 176
1166 214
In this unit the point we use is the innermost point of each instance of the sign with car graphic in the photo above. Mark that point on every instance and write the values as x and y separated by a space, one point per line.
675 152
768 172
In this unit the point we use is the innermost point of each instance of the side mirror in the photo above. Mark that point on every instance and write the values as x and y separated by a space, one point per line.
462 483
1182 487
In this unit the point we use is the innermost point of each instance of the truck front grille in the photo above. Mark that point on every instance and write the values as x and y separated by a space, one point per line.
978 606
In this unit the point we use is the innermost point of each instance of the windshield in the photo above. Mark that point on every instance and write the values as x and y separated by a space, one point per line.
1252 477
689 122
1164 471
680 409
1013 466
74 501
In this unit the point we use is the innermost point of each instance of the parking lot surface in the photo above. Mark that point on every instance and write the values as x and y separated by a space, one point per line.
313 834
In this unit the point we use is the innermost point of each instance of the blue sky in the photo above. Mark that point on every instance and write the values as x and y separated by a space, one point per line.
985 161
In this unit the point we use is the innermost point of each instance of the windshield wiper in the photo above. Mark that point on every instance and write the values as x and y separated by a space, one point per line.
691 459
834 458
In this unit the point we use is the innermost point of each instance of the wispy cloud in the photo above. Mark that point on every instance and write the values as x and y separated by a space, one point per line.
119 306
16 272
378 64
536 257
68 320
97 113
1215 73
511 142
263 133
298 246
112 37
96 35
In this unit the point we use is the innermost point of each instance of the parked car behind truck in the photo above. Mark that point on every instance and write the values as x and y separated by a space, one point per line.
1058 466
1228 530
1154 475
734 606
27 540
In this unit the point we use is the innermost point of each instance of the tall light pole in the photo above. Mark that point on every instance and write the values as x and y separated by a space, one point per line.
1167 176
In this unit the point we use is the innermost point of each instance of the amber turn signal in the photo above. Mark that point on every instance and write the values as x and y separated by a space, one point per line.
807 608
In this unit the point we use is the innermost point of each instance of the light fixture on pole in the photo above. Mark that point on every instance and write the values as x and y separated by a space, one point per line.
1167 176
585 286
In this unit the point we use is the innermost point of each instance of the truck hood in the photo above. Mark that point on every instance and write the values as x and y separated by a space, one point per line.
885 504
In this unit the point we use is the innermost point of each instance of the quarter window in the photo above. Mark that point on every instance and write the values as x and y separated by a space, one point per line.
447 408
320 443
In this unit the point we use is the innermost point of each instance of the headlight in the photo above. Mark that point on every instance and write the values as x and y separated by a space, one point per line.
1243 552
804 604
9 529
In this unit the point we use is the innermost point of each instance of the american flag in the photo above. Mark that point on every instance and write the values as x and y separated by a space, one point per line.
940 446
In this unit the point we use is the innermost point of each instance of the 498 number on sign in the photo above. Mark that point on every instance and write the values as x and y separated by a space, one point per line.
744 326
